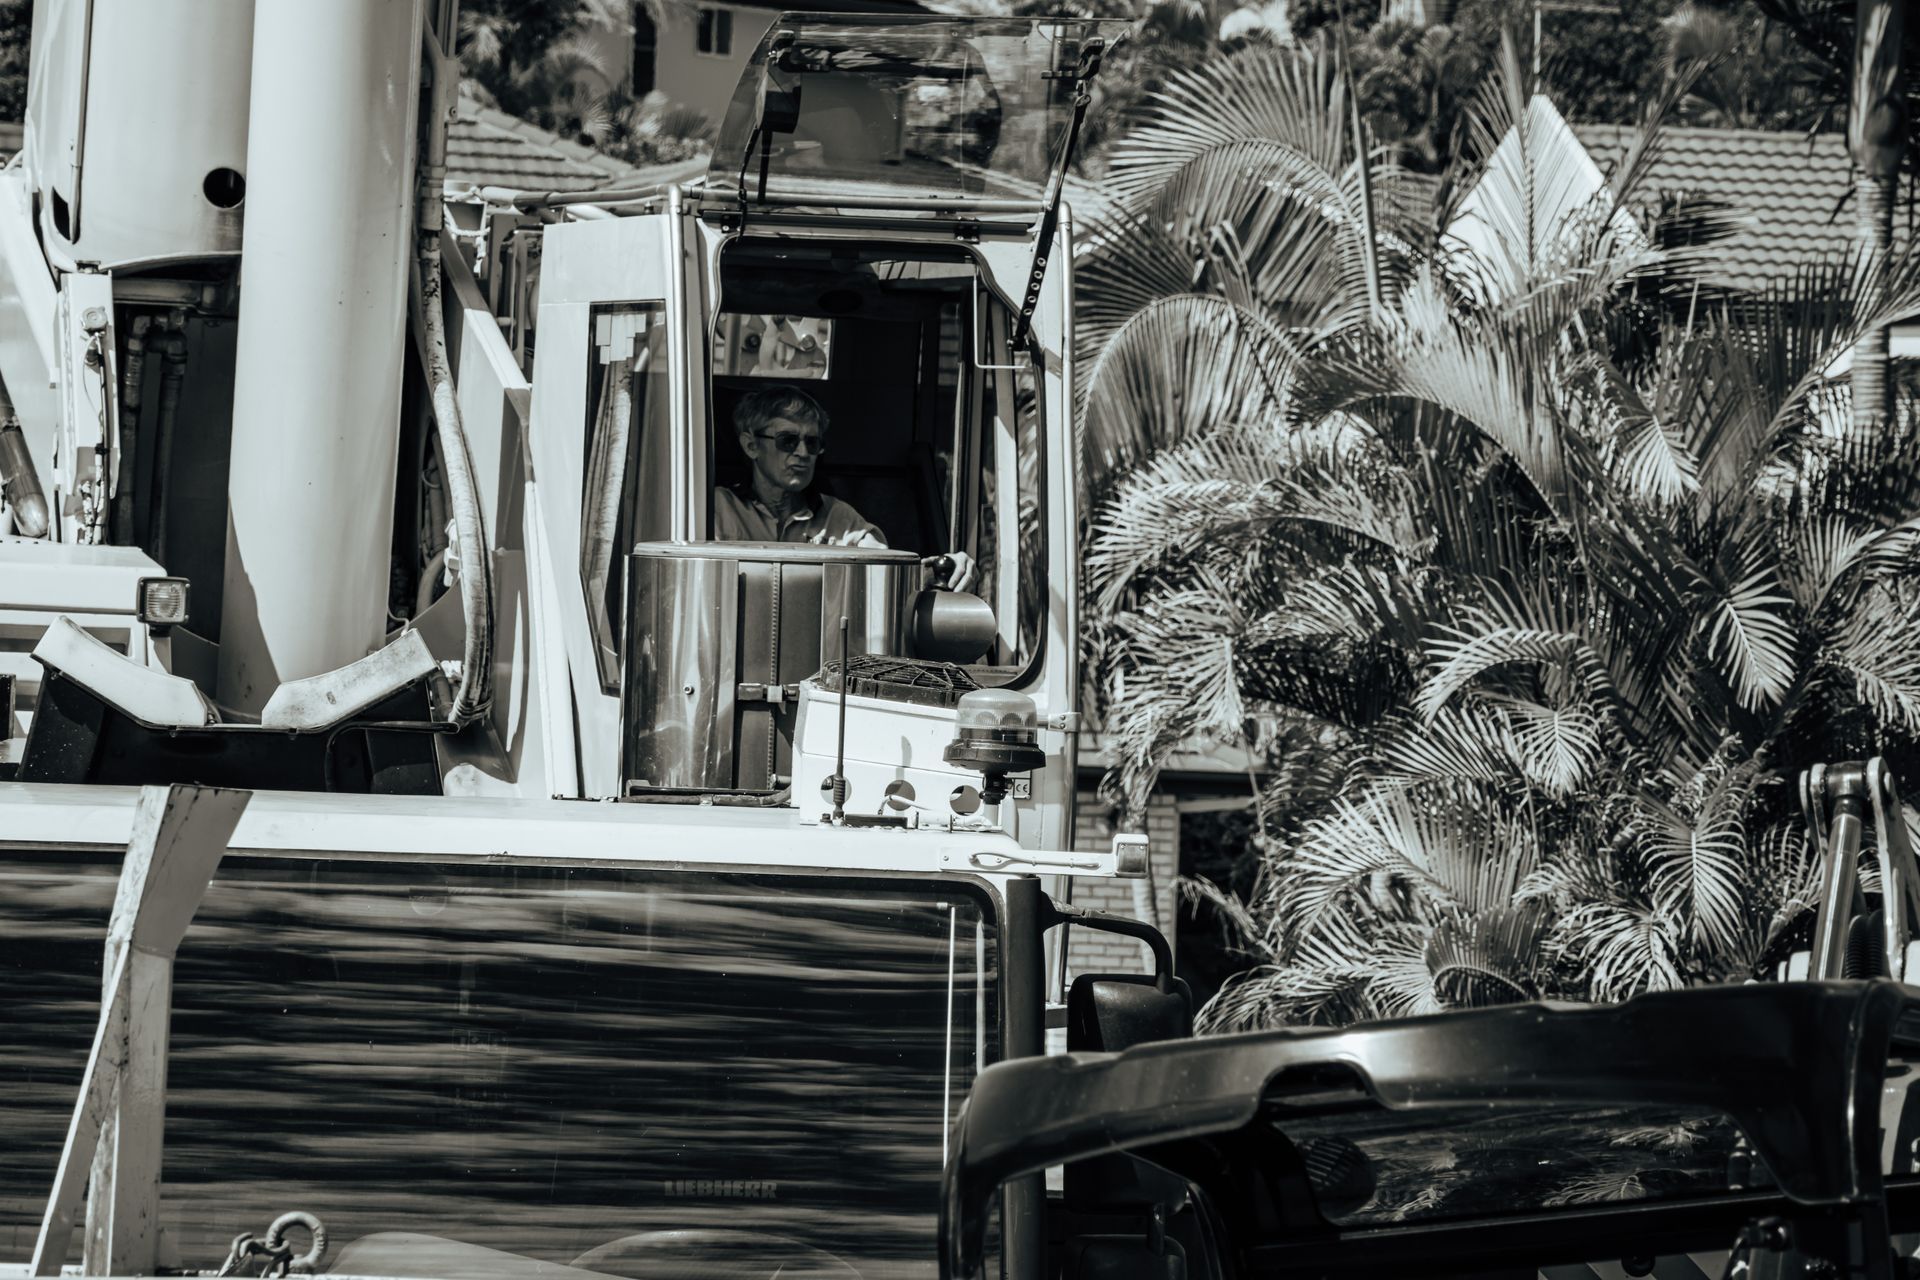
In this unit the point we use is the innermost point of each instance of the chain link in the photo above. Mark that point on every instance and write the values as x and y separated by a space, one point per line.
280 1259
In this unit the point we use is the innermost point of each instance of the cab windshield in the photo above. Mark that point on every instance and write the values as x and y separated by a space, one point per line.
886 106
487 1071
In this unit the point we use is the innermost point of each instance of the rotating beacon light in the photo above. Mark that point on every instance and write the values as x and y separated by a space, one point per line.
996 732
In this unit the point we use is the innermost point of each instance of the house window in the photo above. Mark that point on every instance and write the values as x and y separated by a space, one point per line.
715 34
646 43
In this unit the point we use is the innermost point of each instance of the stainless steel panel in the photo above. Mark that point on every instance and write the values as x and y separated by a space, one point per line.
702 619
877 603
677 707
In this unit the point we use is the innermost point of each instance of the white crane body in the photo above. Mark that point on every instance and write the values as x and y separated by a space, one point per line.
391 505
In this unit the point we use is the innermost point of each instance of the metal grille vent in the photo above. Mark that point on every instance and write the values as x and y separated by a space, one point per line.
916 680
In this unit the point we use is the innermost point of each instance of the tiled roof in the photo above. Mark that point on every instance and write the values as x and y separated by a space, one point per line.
1787 187
489 148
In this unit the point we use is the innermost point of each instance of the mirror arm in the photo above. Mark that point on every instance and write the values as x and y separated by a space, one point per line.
1053 913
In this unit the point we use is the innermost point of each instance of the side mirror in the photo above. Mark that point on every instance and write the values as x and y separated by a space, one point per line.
1107 1012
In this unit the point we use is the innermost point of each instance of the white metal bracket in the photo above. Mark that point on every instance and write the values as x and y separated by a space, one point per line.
113 1145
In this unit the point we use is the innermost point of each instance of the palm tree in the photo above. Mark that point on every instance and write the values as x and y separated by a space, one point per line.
1877 140
532 57
1530 578
1862 47
1752 75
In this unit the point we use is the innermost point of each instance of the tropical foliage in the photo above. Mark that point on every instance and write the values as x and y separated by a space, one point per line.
1416 80
533 59
1831 36
1529 560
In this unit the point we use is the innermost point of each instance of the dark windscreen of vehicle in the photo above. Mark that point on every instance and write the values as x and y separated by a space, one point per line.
631 1072
1430 1164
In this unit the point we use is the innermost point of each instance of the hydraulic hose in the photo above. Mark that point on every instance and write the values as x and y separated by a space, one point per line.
173 378
132 391
475 695
19 482
32 518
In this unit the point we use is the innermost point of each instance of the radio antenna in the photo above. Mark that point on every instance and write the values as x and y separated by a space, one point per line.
840 745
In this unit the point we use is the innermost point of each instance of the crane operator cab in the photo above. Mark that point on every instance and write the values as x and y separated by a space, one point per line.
826 406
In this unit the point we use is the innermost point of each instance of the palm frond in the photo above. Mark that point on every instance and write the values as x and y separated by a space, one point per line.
1348 601
1652 462
1240 927
1559 749
1534 184
1464 653
1325 980
1487 957
1623 947
1824 549
1177 368
1697 863
1402 982
1428 352
1234 482
1459 743
1877 648
1124 262
1281 96
1749 633
1600 1187
1456 855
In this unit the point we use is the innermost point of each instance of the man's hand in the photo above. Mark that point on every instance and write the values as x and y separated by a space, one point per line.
958 566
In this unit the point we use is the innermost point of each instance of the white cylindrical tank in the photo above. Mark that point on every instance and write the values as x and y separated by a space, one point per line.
137 127
323 299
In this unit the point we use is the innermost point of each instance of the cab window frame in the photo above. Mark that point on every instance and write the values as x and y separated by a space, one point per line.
644 469
1034 368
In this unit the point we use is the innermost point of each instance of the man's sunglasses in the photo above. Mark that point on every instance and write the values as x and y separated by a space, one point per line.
790 442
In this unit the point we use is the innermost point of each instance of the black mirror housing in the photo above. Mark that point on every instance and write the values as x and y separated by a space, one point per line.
1108 1012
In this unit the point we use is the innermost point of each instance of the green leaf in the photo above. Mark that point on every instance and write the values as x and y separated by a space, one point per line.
1177 369
1877 647
1561 748
1698 864
1487 957
1750 634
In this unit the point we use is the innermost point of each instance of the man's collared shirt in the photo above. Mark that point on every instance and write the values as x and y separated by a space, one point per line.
737 519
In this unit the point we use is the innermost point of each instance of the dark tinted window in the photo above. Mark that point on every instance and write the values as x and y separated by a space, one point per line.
545 1061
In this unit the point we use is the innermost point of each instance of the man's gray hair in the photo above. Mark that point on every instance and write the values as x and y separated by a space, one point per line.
757 409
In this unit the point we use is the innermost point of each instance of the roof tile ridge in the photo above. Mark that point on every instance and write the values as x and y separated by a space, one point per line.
1797 136
592 156
557 147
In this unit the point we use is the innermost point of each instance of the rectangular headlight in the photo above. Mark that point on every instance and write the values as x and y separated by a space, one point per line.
162 602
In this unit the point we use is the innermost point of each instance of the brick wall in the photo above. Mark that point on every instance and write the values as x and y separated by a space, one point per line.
1091 952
